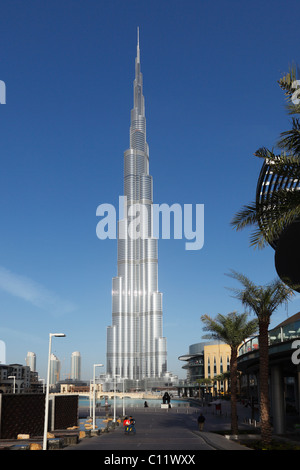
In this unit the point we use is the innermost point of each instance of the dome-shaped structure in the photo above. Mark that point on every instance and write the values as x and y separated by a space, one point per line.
287 246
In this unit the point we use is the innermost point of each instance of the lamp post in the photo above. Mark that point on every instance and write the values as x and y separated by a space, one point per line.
123 396
115 398
13 377
123 399
90 398
59 335
94 394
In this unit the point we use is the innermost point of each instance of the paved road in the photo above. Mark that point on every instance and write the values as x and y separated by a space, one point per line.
173 430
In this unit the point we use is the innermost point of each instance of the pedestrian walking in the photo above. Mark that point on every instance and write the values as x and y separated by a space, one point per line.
201 420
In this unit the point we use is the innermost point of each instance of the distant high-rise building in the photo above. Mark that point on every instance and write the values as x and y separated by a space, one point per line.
2 352
76 366
31 361
54 369
136 348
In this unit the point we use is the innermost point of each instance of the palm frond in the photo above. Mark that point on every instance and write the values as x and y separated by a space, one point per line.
249 216
287 80
290 140
268 218
232 328
276 208
288 83
262 300
264 153
245 217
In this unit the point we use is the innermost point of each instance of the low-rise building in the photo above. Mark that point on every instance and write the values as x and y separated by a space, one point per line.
284 373
206 361
16 378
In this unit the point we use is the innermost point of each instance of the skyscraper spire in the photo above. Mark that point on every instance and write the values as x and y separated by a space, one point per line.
138 45
136 348
138 120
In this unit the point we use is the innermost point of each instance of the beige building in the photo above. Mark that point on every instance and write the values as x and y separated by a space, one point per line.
217 362
207 361
77 387
216 359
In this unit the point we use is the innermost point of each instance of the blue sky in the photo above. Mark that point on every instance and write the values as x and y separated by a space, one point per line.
212 99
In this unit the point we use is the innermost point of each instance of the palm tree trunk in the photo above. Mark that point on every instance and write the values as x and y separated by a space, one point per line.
266 432
233 380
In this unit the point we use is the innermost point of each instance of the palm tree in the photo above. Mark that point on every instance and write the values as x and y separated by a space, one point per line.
288 84
279 206
204 382
219 378
233 329
263 301
271 212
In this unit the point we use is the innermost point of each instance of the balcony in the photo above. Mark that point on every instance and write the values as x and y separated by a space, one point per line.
283 333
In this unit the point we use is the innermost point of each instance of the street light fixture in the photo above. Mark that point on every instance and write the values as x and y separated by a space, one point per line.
90 398
59 335
115 386
94 395
123 396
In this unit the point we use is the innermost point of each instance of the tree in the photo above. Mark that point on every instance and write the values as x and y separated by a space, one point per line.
233 329
279 206
272 213
207 383
263 301
219 378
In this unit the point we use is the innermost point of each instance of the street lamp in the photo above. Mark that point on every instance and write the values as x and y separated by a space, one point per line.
115 398
59 335
90 398
123 398
13 377
94 393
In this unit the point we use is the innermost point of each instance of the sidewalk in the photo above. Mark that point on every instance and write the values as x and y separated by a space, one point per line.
173 429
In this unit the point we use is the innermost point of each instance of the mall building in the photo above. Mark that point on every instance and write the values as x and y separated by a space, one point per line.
284 373
206 361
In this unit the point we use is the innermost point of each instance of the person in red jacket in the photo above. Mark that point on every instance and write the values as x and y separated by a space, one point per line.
126 421
129 425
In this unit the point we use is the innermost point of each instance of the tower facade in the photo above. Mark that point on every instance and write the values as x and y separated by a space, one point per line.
76 365
54 369
136 348
31 361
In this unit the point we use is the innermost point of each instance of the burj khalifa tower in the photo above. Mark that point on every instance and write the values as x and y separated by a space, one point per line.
136 348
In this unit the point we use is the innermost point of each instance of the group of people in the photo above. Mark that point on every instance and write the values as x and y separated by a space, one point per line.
129 424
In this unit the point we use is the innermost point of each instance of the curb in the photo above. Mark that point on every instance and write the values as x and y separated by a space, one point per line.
219 442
